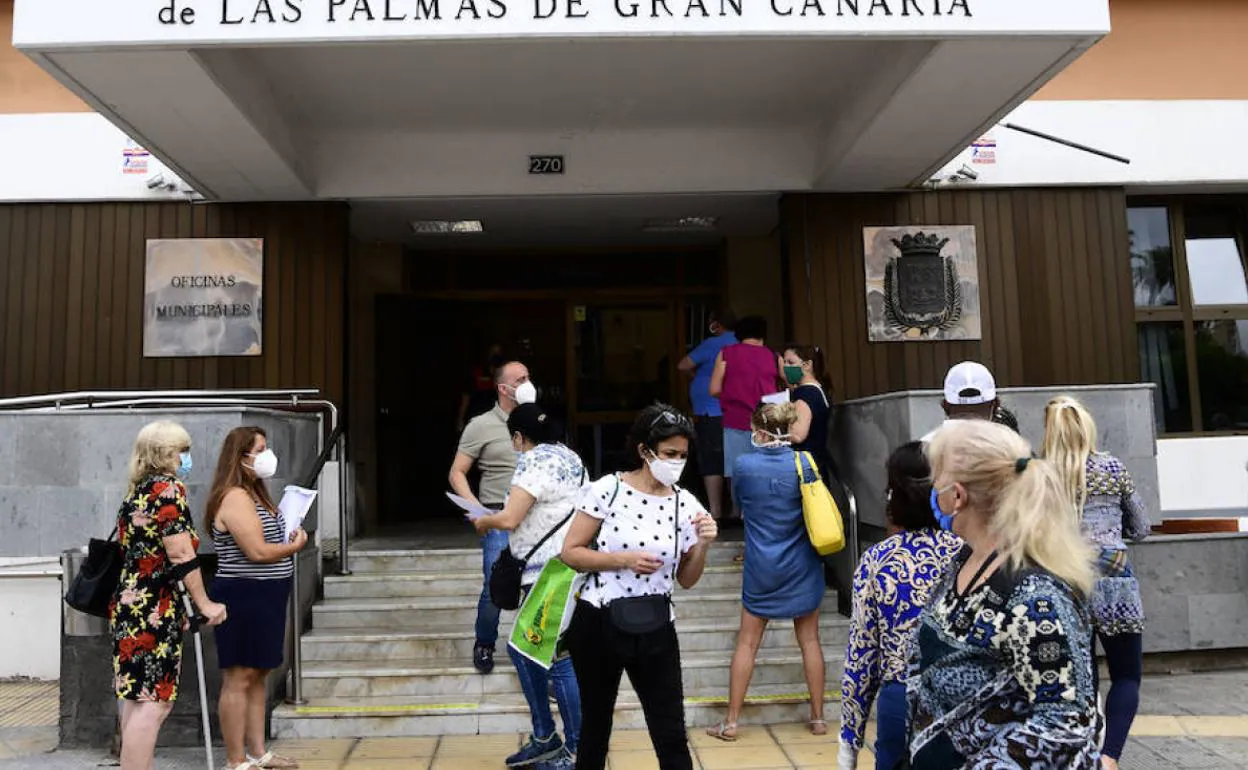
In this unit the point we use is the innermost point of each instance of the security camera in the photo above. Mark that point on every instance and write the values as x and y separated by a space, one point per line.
157 182
966 172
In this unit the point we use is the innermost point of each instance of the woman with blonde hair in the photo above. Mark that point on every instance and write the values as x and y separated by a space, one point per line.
146 618
1004 658
1103 500
783 573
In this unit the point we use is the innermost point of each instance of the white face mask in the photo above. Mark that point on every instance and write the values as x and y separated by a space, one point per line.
264 464
666 472
525 393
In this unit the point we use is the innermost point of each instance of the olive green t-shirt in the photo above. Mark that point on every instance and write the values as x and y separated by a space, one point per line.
487 442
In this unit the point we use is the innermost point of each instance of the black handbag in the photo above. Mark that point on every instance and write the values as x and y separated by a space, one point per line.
94 586
508 571
645 614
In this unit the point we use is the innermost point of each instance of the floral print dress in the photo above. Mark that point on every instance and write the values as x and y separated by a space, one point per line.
146 615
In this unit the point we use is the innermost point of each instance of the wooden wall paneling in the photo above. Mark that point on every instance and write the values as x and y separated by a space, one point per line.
318 320
135 257
801 244
90 295
287 330
9 296
1106 286
335 311
854 217
1010 286
1032 297
824 289
160 221
72 288
305 260
1064 320
842 245
1099 332
1078 286
42 332
61 224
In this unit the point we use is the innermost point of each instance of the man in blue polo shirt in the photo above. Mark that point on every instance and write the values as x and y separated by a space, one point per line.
707 416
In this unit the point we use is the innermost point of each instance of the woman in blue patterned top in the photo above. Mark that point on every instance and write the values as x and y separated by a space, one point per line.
1002 673
1104 501
891 586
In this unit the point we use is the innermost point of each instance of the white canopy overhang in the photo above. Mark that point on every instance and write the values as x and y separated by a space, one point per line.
387 99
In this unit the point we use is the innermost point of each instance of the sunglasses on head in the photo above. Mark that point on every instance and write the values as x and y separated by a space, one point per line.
670 418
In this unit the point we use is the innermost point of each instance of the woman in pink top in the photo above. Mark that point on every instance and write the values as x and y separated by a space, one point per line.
744 373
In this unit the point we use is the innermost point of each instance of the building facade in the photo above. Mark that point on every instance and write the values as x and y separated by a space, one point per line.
610 172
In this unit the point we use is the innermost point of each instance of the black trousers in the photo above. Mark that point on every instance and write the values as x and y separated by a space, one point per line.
600 655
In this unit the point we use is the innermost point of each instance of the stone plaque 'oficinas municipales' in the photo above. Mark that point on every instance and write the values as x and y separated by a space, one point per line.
203 297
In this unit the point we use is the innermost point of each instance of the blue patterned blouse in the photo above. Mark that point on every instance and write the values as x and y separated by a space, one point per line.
1002 677
1112 514
891 586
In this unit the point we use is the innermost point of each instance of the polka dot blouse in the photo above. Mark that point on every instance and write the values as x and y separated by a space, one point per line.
637 521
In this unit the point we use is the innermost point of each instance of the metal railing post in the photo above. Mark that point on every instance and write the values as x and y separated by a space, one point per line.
343 496
296 655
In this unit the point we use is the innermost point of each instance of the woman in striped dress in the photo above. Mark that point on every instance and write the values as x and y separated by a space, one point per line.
255 564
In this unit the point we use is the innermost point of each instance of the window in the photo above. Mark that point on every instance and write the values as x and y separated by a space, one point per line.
1191 310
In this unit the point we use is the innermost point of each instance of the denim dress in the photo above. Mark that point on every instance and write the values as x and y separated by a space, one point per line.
783 573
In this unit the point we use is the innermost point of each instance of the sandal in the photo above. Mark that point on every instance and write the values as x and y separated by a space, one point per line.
271 761
818 726
740 557
725 731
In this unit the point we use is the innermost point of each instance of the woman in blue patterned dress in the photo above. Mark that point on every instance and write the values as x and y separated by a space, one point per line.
891 587
1002 673
1104 501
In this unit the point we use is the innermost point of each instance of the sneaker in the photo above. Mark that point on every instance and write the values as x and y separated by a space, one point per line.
562 761
536 751
483 658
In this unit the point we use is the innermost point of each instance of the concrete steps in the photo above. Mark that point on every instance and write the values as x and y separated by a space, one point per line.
389 653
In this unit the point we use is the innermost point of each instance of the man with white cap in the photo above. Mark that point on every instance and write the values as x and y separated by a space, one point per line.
971 394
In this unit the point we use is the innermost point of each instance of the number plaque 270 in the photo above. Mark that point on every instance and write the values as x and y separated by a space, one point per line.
545 164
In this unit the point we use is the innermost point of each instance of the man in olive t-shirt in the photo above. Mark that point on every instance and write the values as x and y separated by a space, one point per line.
486 443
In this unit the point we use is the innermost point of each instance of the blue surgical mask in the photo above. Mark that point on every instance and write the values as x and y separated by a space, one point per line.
945 520
184 469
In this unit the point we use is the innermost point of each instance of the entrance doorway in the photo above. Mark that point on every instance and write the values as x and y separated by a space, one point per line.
597 355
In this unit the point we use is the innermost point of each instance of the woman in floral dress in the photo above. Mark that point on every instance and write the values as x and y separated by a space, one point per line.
146 617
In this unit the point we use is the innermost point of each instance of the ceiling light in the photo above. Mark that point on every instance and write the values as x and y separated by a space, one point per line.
446 226
679 224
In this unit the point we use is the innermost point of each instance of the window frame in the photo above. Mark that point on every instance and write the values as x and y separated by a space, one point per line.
1186 311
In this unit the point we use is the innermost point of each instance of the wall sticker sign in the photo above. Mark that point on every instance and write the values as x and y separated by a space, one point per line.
49 25
984 151
203 297
546 164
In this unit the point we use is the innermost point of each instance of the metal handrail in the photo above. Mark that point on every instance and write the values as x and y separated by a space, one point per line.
290 400
54 399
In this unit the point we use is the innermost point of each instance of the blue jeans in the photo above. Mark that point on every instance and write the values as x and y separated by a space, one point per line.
492 545
535 681
891 713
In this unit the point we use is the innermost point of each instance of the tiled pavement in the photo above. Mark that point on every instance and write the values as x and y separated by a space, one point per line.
1189 721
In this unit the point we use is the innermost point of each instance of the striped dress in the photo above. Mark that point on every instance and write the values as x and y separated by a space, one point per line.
256 597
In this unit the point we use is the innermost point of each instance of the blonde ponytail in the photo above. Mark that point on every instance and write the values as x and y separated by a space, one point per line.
1069 438
1022 498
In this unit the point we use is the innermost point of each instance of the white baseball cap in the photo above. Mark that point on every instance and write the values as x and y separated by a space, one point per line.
969 383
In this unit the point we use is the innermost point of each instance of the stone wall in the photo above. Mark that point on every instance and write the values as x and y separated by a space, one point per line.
63 475
866 430
1195 591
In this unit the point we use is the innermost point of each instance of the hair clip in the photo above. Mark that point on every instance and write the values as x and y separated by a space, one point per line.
1020 465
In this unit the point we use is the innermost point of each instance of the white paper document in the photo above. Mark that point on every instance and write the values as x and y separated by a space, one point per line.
471 509
295 504
777 398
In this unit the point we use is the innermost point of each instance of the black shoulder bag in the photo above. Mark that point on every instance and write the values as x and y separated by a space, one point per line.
96 583
647 613
508 572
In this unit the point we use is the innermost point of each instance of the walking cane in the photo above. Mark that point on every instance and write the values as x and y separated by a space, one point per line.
196 622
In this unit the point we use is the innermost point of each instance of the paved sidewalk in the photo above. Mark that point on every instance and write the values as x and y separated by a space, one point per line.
1187 721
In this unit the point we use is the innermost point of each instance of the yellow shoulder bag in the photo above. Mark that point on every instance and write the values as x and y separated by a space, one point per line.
824 526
